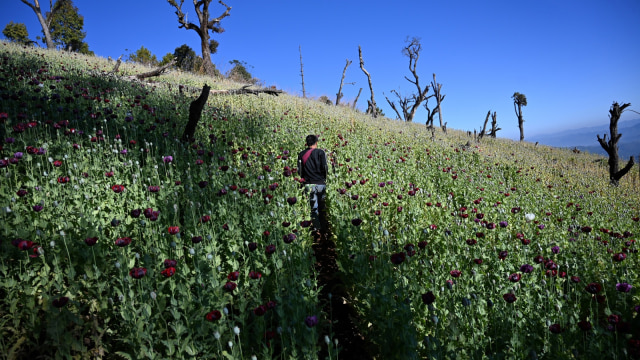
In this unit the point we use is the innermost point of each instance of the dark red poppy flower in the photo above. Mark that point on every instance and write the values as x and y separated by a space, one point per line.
398 258
153 188
260 310
205 218
252 246
478 261
196 239
292 200
455 273
555 328
509 297
91 241
60 302
170 263
117 188
356 222
428 298
229 286
213 315
57 163
135 213
305 223
515 277
168 272
503 255
289 238
148 212
618 257
173 230
137 272
575 279
584 325
593 288
255 275
123 241
270 249
233 276
21 192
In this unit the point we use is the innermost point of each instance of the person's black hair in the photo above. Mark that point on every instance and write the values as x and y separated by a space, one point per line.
311 139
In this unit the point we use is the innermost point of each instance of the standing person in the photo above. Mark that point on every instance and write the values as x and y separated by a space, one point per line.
312 168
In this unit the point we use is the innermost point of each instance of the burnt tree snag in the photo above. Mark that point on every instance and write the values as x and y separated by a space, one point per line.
372 108
339 94
356 100
304 94
430 114
611 146
484 127
437 89
409 105
195 112
494 125
117 65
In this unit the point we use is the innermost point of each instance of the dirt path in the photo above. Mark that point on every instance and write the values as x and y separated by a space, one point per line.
351 343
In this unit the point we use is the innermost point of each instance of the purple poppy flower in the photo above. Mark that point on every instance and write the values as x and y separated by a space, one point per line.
623 287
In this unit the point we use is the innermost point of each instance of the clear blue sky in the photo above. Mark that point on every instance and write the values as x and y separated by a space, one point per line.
571 58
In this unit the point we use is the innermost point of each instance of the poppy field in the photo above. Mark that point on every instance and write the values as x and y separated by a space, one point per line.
120 241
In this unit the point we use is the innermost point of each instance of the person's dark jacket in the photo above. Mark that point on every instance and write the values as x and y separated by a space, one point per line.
314 171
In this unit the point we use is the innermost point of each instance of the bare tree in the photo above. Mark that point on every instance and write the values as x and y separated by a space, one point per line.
437 89
339 94
519 100
430 114
356 100
611 146
304 94
372 108
409 105
202 29
494 125
45 23
484 127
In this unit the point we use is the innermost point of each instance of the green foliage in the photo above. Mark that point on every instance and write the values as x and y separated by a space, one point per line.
213 46
16 32
186 58
143 56
427 210
66 27
167 58
519 99
239 72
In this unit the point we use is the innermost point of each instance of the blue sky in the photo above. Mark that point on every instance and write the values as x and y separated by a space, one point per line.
571 58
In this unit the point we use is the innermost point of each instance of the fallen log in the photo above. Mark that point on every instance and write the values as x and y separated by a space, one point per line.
155 72
245 90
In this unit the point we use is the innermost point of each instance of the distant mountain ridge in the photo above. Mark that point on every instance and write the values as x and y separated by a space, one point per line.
585 139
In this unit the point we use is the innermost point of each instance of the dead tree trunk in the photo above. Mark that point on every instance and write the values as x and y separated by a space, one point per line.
372 108
484 127
339 94
494 125
304 94
356 100
439 97
611 146
117 65
195 112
